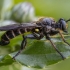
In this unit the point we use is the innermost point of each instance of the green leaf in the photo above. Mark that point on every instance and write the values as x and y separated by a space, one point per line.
40 54
13 66
6 60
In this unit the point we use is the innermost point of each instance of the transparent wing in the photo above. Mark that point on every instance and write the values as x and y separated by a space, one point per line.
9 27
16 26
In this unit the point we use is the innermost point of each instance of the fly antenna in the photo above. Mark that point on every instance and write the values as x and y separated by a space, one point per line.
67 20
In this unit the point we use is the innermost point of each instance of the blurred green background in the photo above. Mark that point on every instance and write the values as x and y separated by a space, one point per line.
49 8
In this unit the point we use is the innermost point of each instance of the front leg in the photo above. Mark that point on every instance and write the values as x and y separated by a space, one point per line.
63 38
53 45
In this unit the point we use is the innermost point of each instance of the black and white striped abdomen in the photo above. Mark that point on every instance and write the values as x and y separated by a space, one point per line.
5 39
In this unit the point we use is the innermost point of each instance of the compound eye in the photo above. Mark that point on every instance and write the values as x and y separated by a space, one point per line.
63 25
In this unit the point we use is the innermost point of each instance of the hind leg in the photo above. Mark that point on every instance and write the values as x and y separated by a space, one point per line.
23 44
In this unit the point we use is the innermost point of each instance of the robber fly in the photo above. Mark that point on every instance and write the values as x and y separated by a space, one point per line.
43 27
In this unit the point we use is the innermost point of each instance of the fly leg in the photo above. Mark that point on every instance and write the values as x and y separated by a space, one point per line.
24 42
63 38
47 37
38 36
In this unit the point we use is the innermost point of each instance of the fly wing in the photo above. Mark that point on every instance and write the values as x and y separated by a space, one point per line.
9 27
23 25
16 26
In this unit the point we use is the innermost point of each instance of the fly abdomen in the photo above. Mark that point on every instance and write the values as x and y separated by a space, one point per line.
5 39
